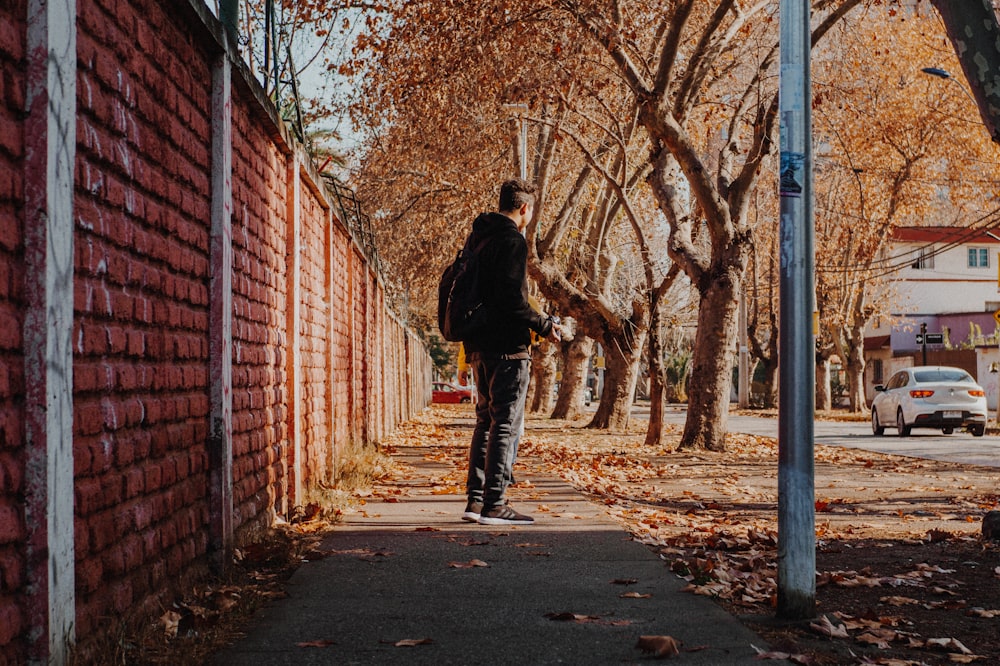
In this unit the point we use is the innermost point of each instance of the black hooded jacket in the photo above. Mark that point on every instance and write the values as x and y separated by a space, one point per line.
504 281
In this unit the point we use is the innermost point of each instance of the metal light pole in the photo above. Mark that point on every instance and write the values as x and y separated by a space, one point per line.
229 15
923 343
796 485
945 74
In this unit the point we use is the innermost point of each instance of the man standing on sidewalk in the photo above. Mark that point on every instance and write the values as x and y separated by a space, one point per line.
500 355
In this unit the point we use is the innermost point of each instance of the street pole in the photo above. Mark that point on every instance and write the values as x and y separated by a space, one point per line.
923 343
229 16
946 75
796 484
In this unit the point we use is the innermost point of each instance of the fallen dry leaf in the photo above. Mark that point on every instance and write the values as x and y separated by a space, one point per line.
771 654
934 536
634 595
571 617
947 604
898 601
625 581
448 490
870 638
323 642
827 628
413 642
661 647
171 620
947 644
468 565
982 612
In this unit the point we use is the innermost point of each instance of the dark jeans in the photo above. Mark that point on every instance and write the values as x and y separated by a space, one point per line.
502 386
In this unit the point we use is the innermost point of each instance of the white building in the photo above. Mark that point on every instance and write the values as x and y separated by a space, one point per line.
948 282
948 269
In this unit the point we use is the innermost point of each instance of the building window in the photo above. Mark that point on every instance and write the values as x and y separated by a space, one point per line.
925 258
876 371
979 257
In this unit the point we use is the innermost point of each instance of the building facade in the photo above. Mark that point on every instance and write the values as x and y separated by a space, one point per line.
946 285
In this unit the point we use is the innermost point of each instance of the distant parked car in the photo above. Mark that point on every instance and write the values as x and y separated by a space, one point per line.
445 392
588 394
930 397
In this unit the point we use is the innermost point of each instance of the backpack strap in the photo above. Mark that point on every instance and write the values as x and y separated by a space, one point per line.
479 246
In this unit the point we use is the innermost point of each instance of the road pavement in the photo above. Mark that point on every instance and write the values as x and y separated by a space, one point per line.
960 447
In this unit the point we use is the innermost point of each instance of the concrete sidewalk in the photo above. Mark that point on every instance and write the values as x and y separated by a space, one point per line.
388 577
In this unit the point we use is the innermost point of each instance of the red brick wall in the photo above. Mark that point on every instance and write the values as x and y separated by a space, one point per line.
359 299
142 271
313 347
141 324
342 356
12 455
260 395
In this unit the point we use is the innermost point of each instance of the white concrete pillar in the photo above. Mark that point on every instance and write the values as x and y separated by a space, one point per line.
50 153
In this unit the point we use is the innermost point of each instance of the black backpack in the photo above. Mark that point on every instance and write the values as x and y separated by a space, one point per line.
461 311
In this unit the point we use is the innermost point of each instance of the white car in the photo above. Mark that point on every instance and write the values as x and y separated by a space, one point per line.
930 397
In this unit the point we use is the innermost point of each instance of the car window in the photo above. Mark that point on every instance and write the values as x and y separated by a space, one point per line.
943 375
898 380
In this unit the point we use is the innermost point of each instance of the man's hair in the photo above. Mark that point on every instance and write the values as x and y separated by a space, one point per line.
516 192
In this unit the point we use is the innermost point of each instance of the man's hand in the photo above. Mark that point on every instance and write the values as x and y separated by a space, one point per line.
558 331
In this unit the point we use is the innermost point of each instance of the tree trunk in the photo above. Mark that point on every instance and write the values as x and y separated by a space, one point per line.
657 377
657 401
854 365
769 400
824 392
543 370
622 354
973 30
574 380
711 377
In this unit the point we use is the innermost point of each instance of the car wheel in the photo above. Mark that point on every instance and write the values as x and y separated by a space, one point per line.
877 428
978 431
947 431
904 430
466 400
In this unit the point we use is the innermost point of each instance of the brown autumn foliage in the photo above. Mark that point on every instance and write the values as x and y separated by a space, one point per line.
590 240
643 112
675 103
